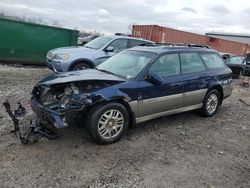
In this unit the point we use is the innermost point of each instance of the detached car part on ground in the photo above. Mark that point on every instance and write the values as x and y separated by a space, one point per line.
90 55
134 86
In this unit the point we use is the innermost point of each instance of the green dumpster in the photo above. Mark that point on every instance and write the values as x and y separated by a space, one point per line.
23 42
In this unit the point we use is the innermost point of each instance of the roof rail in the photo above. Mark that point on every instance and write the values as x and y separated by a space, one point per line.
177 44
123 34
192 45
155 44
147 44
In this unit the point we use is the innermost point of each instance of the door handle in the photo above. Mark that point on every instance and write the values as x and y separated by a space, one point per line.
176 85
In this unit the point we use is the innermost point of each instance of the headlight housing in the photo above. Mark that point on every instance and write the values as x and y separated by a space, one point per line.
61 56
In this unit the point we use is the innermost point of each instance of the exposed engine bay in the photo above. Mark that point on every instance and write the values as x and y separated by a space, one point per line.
68 96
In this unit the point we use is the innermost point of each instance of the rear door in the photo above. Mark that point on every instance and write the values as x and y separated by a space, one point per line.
155 99
195 79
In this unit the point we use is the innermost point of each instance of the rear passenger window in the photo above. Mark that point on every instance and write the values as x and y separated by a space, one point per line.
213 61
191 63
166 65
133 43
119 45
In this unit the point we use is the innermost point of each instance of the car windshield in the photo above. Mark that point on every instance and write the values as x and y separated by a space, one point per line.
127 64
236 60
98 42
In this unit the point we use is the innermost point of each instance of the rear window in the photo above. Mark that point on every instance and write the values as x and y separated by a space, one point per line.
213 61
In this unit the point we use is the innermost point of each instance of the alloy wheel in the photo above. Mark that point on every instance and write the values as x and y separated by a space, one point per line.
110 124
212 103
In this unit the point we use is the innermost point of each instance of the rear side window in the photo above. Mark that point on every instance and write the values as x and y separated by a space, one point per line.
133 43
213 61
119 44
191 63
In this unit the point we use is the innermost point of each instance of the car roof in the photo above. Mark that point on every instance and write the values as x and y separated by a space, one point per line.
127 37
168 48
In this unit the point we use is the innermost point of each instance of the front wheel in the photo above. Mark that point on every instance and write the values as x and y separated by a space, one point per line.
106 123
211 103
79 66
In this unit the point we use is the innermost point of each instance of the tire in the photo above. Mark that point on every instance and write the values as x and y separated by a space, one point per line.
80 66
104 129
212 99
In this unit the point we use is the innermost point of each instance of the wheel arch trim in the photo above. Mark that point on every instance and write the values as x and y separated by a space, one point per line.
82 60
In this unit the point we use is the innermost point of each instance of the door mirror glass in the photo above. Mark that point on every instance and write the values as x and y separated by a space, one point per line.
154 79
109 49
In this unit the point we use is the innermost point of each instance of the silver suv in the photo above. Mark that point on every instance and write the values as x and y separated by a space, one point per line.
90 55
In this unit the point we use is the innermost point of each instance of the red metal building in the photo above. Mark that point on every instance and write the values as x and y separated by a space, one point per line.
167 35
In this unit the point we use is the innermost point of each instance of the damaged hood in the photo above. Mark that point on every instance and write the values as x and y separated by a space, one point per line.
88 74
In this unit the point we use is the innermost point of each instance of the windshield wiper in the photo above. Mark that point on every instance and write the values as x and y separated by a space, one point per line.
106 71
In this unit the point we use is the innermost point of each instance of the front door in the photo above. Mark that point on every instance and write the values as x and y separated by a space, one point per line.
154 99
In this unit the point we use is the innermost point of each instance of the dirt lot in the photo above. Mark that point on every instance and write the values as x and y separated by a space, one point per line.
183 150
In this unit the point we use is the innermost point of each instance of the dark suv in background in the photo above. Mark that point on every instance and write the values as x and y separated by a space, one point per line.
91 54
136 85
234 62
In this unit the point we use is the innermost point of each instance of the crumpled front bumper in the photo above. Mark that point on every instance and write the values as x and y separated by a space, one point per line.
54 117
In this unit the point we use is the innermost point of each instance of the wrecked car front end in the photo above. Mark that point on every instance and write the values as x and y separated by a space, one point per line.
52 100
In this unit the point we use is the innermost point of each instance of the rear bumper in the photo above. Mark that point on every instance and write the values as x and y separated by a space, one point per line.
54 117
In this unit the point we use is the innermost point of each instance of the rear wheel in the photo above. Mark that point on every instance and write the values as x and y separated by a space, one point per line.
80 66
106 123
211 103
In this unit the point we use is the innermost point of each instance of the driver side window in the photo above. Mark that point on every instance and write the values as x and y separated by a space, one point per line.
166 65
119 45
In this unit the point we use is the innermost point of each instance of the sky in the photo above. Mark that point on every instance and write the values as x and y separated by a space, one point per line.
111 16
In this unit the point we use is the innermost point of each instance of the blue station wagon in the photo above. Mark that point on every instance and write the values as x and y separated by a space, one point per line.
133 86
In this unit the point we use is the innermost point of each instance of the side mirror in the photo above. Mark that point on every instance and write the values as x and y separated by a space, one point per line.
109 49
154 79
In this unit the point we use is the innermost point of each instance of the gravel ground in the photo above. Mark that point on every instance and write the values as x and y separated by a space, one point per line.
182 150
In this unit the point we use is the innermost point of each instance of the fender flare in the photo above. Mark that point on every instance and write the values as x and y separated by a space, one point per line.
82 60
